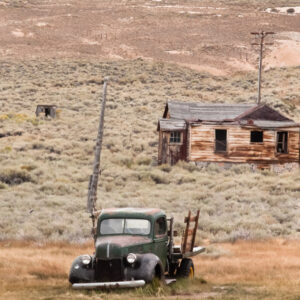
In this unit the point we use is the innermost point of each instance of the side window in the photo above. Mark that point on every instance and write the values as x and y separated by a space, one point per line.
256 137
160 227
175 137
282 142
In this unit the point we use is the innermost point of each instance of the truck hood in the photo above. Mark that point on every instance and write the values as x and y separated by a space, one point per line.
118 245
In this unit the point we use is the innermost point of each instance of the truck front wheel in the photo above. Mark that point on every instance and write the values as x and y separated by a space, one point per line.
186 269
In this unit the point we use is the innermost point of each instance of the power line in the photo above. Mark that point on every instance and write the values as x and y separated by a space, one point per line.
261 35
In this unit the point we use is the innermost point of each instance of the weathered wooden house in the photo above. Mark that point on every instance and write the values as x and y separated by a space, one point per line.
227 133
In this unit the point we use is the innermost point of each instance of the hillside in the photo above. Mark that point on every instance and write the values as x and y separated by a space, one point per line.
45 164
211 36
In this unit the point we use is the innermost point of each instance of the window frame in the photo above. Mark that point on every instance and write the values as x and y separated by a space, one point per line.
124 226
286 144
177 133
166 228
252 142
215 141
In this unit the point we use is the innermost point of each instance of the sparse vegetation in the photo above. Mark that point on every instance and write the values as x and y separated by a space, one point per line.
12 177
46 169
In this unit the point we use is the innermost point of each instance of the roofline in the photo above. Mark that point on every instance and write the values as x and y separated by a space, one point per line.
138 212
249 111
236 123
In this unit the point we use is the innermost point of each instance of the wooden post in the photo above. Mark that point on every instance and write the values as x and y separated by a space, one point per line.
187 220
195 230
93 184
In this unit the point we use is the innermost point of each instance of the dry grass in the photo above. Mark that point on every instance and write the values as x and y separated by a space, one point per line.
55 156
273 263
39 271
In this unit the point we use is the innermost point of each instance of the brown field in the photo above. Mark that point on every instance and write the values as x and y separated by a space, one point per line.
242 270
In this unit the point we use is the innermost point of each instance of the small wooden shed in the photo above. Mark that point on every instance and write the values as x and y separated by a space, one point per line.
233 133
46 110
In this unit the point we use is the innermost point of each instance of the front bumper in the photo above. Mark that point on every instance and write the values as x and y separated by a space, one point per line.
113 284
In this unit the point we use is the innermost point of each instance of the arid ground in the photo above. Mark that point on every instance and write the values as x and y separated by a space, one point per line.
243 270
58 52
209 36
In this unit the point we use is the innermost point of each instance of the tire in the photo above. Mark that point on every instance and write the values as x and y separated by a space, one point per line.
186 269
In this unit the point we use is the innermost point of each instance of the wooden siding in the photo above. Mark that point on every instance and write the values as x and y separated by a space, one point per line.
239 147
171 152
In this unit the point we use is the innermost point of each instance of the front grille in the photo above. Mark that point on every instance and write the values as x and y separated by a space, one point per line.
109 270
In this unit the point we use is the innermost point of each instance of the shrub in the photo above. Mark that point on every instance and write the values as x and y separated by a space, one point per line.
187 166
144 161
159 178
166 168
28 167
12 177
290 10
185 179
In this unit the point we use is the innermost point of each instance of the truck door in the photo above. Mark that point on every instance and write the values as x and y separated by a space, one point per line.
161 239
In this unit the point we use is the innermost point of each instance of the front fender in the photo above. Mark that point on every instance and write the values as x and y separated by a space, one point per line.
80 272
145 268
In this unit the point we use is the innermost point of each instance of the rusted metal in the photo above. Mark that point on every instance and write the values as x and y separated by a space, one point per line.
120 257
123 240
171 240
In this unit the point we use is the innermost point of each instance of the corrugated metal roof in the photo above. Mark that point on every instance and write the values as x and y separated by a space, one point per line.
206 112
171 124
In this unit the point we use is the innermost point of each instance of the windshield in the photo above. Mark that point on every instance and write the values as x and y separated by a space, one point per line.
125 226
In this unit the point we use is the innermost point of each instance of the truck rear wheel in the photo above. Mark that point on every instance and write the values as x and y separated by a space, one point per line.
186 269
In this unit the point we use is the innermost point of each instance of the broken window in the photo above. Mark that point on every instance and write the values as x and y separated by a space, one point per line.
256 137
282 142
47 112
160 227
221 140
175 137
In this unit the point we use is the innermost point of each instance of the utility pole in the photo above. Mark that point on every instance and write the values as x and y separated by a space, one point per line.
92 192
261 35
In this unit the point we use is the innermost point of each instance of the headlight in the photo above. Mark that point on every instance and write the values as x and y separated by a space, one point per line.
131 258
86 259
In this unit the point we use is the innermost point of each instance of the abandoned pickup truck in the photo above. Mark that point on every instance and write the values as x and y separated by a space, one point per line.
132 247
